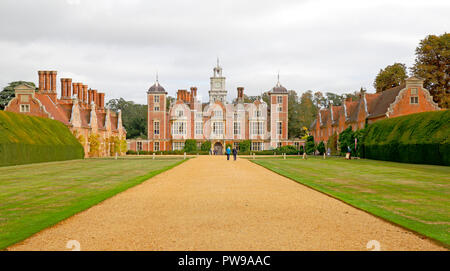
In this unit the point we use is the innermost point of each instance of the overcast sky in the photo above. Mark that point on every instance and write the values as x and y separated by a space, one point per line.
118 46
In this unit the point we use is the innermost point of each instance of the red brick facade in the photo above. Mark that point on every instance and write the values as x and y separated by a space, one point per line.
408 98
79 108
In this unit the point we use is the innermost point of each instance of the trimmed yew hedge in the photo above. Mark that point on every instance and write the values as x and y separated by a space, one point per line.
26 139
422 138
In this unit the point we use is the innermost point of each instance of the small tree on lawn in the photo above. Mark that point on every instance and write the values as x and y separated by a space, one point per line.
190 145
332 144
310 147
346 139
302 150
321 147
244 146
206 146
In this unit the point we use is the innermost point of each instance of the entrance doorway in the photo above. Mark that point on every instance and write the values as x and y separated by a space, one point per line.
218 148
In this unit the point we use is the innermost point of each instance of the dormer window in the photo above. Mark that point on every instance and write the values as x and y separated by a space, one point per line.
258 113
180 113
218 113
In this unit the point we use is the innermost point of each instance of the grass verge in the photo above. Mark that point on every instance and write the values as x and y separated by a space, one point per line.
413 196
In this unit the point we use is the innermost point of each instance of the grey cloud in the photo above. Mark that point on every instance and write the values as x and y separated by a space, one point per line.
117 46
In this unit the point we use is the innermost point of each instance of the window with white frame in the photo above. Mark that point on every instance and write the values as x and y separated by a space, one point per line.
217 128
156 128
236 115
139 146
156 99
236 128
178 146
180 113
279 128
279 99
414 99
24 108
297 145
218 113
257 146
258 113
257 127
156 108
179 128
198 127
279 108
156 146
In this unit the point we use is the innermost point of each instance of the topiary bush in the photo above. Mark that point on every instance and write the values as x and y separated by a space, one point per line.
310 147
244 146
321 147
417 138
190 145
206 146
28 139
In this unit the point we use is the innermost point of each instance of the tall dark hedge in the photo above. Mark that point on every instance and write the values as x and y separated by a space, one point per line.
26 139
422 138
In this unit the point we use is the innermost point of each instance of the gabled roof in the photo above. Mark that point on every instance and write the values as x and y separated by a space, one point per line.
352 110
55 110
384 99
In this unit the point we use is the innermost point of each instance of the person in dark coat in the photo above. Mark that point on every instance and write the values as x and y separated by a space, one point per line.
234 153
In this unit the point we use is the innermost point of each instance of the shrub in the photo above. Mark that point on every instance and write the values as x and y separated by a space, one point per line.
310 147
332 144
244 146
346 139
302 150
287 150
190 145
321 147
27 139
417 138
206 146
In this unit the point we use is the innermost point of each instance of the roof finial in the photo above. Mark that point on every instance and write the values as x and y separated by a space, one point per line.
278 78
217 61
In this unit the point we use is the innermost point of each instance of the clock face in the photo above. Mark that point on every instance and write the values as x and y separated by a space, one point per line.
217 84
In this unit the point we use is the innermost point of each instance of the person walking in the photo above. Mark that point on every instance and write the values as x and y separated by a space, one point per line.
228 153
234 153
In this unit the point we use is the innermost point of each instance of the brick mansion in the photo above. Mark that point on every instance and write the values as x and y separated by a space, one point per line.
408 98
217 120
80 108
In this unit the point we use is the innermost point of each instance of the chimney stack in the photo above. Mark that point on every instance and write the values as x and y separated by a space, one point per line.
85 94
63 88
240 91
53 81
47 80
68 83
90 96
194 92
94 97
101 100
80 91
41 80
75 89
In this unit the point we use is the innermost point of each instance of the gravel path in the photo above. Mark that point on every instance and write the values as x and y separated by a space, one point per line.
208 203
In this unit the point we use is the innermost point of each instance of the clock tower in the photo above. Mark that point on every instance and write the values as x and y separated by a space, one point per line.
217 92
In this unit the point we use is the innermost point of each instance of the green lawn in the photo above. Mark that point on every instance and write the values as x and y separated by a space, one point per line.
411 195
36 196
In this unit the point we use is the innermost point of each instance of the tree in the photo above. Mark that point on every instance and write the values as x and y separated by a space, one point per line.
7 94
302 150
169 100
310 147
190 145
134 116
332 143
321 147
319 100
206 146
334 99
347 139
244 145
433 64
389 77
307 111
294 123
